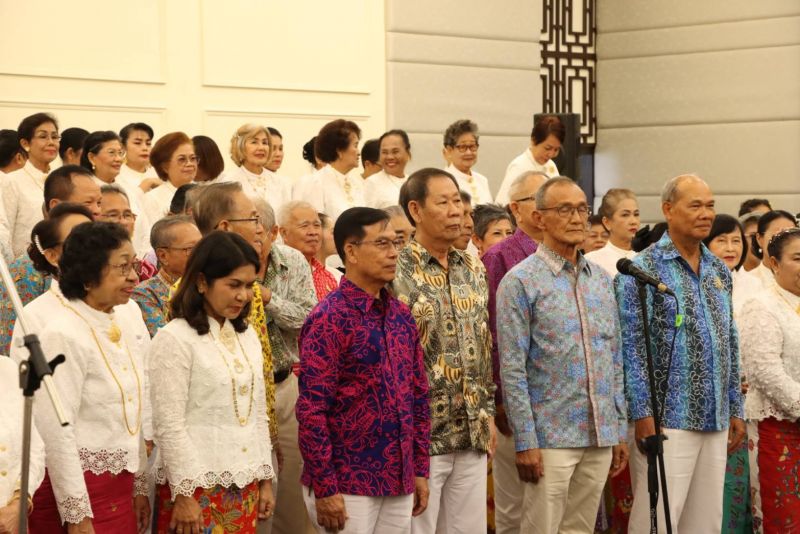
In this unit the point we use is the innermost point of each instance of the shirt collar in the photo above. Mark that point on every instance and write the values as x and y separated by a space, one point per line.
558 263
360 298
276 257
453 255
669 251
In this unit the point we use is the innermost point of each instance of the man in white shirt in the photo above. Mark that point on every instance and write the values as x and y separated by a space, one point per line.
461 151
547 137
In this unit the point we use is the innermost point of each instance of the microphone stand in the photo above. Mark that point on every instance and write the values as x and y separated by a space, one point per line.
33 372
653 445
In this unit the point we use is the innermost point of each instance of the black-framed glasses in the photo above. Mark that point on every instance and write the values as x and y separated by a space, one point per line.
464 148
256 219
383 244
565 211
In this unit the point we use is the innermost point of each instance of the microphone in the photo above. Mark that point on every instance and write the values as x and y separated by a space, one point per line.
626 266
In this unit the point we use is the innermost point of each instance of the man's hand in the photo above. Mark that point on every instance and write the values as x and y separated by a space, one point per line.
644 428
619 459
421 494
266 500
266 294
331 513
736 433
492 438
529 465
501 420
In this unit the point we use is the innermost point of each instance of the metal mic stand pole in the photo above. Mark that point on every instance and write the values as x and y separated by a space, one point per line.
33 372
653 445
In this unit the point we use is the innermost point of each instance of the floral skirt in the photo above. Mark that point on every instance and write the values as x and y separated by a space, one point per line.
111 498
230 509
775 475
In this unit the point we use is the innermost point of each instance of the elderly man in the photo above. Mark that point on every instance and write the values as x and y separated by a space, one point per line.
697 380
561 369
290 288
301 229
446 290
498 260
363 406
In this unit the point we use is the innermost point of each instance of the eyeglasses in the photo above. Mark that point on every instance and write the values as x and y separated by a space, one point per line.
186 250
525 199
117 217
465 148
124 269
383 244
184 161
256 219
116 153
566 211
43 136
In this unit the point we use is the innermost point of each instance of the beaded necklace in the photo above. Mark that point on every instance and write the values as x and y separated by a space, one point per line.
236 389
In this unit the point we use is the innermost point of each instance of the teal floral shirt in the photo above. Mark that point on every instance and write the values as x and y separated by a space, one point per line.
30 283
152 296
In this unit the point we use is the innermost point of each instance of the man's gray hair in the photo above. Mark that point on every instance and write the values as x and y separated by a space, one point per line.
265 210
285 213
541 194
114 189
670 191
394 211
162 234
519 182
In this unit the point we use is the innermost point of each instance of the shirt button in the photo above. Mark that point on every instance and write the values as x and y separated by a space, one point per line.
2 448
3 473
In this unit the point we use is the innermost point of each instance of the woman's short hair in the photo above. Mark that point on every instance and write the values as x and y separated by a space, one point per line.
126 131
780 240
725 224
764 223
210 163
79 270
162 151
245 132
611 200
9 147
485 214
28 126
546 126
93 144
71 138
459 128
216 256
46 234
333 138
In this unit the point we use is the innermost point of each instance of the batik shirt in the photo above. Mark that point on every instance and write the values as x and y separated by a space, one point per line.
560 359
363 406
449 306
152 296
30 284
703 390
498 260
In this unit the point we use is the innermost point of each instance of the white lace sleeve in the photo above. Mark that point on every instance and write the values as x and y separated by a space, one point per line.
762 355
36 471
62 459
170 367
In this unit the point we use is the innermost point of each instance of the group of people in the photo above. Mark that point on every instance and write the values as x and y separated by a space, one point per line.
349 352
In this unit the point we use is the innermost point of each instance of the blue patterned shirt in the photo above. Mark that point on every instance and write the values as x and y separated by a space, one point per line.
560 360
152 296
30 284
704 391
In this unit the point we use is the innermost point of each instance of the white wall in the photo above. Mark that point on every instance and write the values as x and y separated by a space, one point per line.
200 66
710 87
464 59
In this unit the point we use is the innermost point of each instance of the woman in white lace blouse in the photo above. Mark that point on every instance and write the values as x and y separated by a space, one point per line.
96 480
770 337
213 469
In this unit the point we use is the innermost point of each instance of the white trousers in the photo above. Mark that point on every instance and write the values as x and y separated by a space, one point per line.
457 501
508 488
368 515
695 470
566 498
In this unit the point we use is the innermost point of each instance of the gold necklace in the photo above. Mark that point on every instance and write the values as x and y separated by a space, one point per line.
236 389
115 330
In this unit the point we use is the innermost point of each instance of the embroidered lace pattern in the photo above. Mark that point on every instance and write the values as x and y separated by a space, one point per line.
210 479
74 509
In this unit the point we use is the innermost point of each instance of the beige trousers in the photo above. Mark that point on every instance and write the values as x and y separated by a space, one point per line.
508 488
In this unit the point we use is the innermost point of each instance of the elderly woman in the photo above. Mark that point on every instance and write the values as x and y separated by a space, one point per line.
173 238
175 162
22 191
461 152
382 189
491 225
770 337
96 477
251 151
330 190
47 241
213 466
619 210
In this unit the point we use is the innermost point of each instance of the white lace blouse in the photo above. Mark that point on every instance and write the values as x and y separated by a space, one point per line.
209 408
273 188
770 338
103 391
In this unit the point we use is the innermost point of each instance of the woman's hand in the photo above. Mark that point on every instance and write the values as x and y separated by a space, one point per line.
9 517
148 184
141 508
187 516
84 527
266 501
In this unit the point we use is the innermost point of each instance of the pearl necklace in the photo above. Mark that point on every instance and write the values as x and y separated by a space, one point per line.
226 342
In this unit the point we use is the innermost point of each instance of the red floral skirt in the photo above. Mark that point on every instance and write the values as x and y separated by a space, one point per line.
111 497
230 509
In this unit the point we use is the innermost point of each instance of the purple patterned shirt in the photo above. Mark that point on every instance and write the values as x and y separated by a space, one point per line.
363 407
498 260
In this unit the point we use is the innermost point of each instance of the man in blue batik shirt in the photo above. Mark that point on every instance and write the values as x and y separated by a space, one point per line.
702 413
